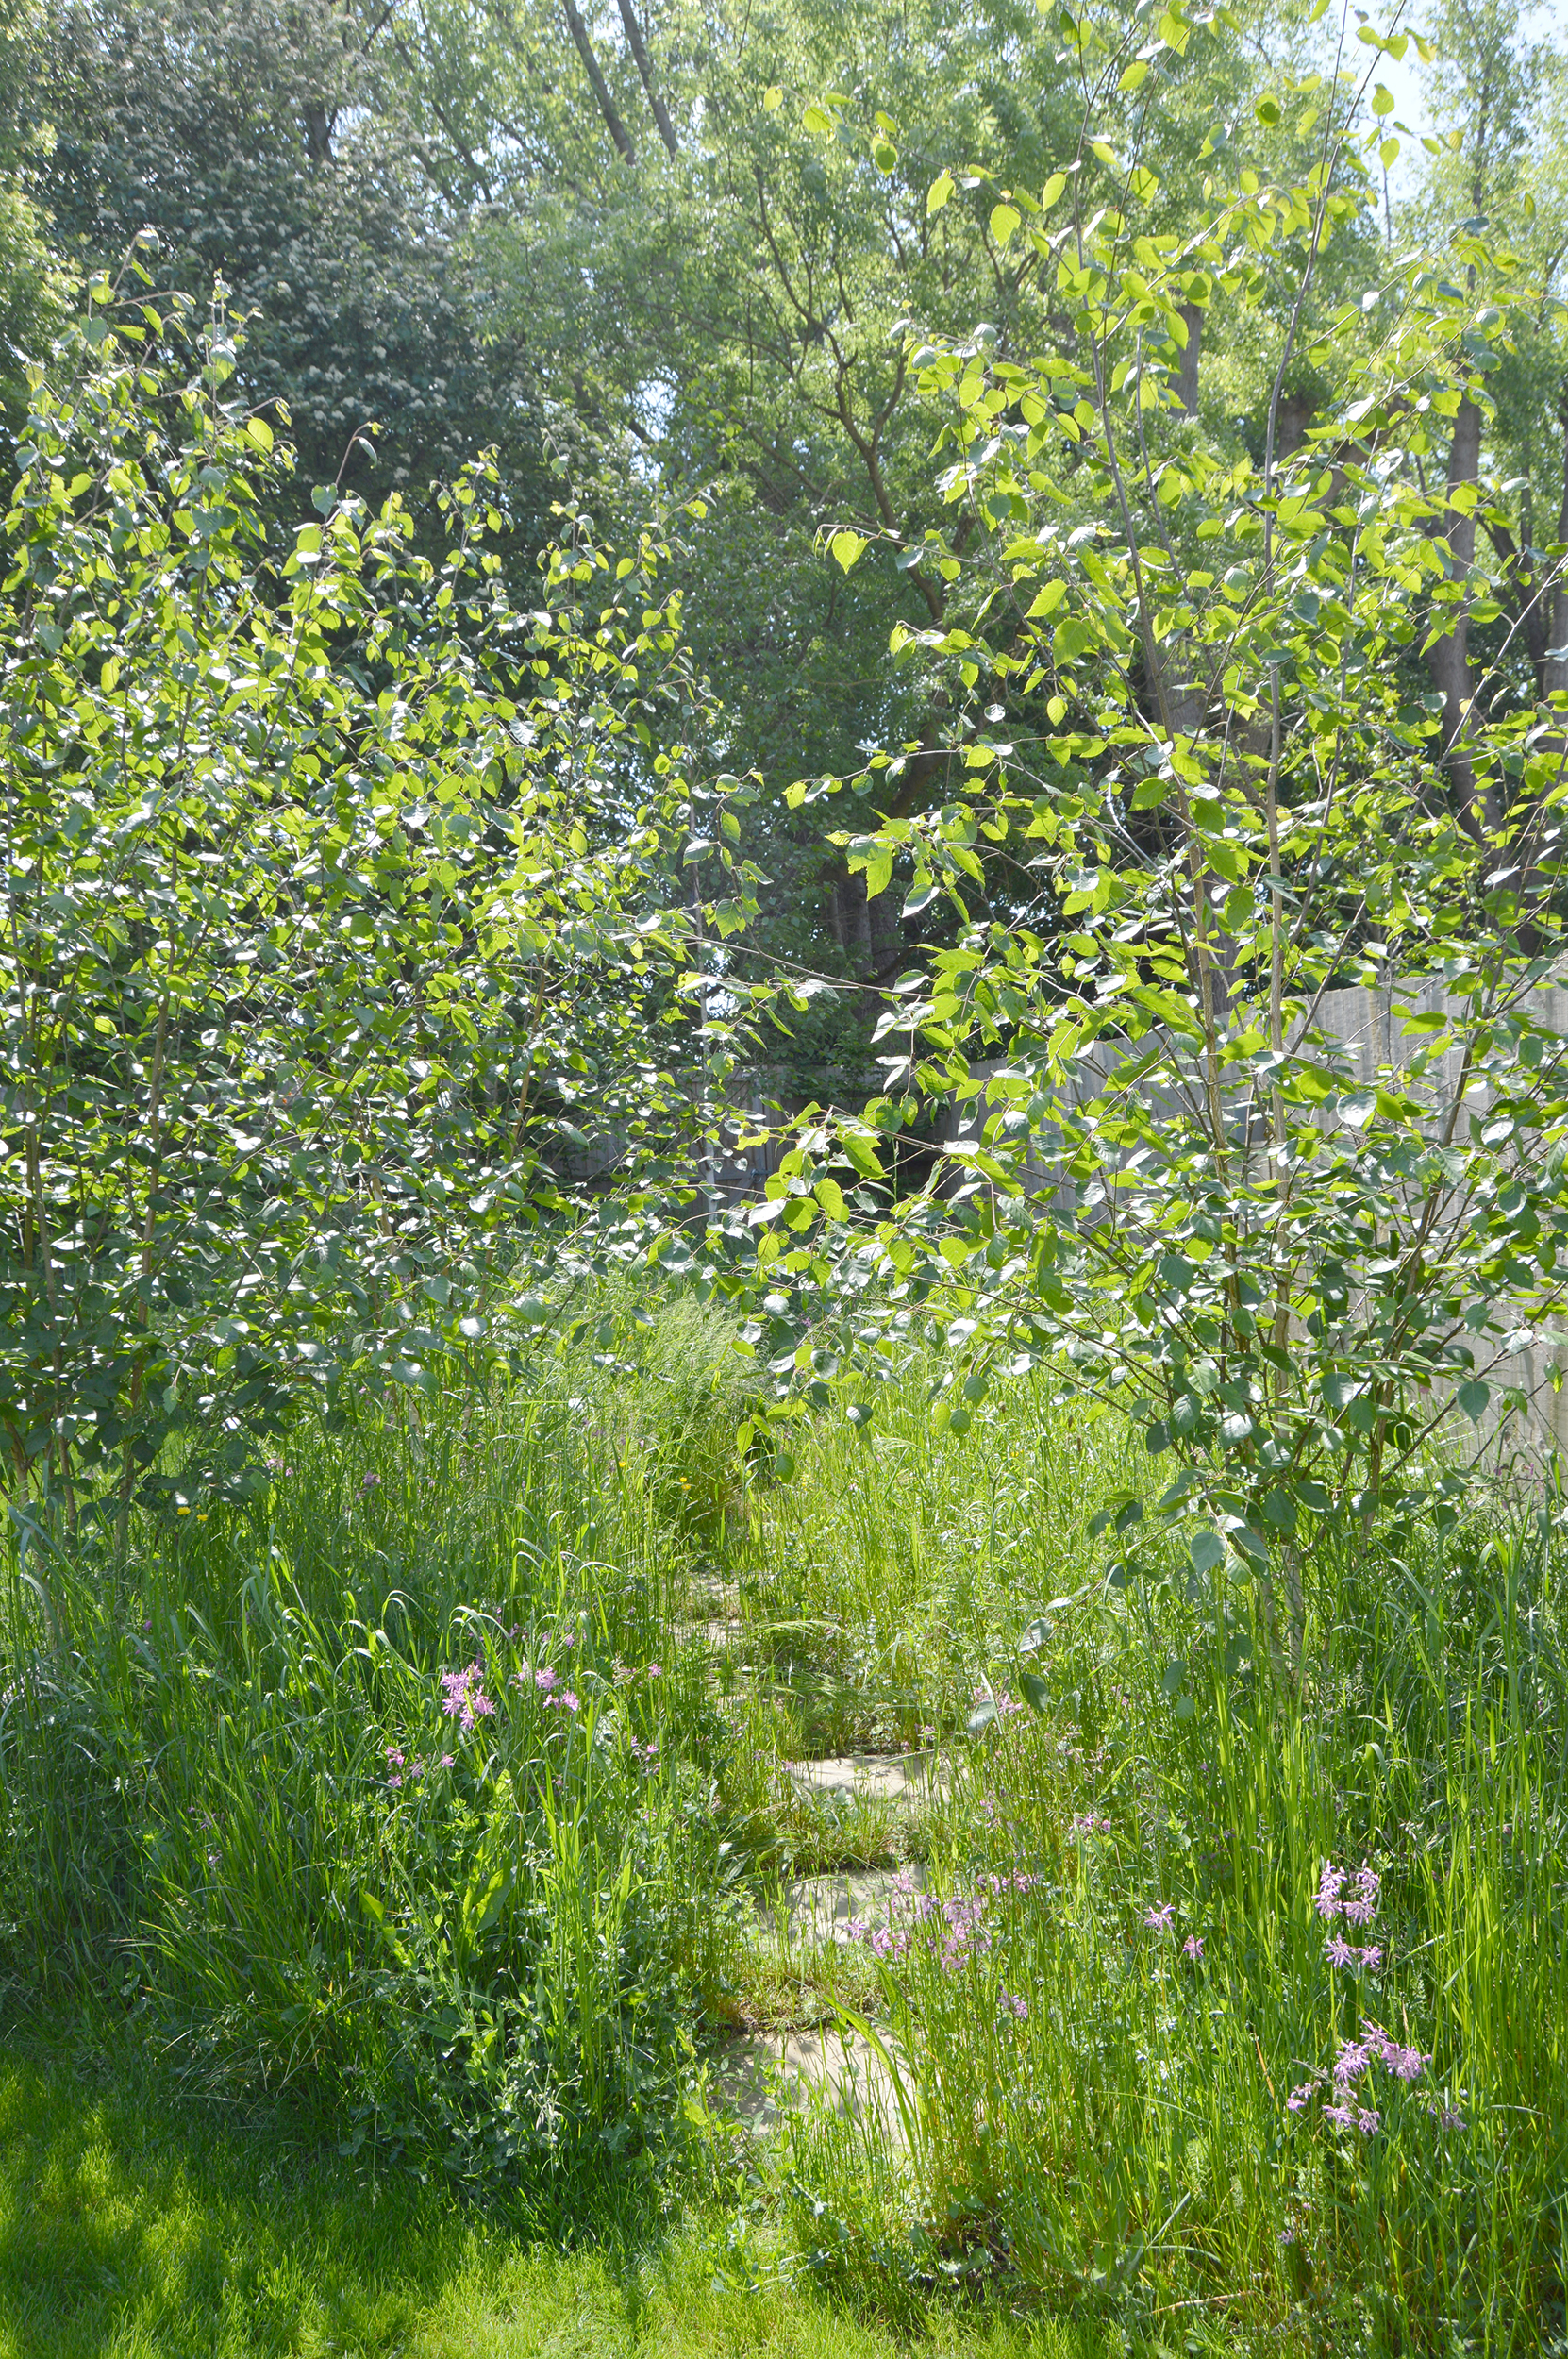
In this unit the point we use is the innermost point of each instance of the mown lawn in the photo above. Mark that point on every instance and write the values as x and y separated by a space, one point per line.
131 2224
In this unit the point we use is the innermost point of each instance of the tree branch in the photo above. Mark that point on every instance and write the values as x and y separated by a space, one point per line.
616 128
639 48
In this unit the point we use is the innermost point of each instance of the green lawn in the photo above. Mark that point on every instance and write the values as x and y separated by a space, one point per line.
132 2225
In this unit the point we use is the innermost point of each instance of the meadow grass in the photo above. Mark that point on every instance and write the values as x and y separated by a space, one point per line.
430 1802
1154 2060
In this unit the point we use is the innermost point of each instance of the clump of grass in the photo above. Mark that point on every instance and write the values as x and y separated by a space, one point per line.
386 1794
1251 1999
791 1985
653 1379
888 1569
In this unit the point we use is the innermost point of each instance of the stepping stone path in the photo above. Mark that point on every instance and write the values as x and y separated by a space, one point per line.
759 2076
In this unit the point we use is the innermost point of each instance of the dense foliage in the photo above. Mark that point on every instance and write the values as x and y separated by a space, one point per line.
1208 782
334 883
692 250
396 1849
969 571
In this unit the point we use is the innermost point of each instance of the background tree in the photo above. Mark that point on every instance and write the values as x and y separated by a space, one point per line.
685 249
1171 1184
734 312
1500 100
261 146
32 293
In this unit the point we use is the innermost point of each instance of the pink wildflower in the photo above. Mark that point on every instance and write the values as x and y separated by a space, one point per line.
1363 1908
465 1694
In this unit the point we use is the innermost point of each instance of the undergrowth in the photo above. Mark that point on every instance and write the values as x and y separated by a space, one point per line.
441 1799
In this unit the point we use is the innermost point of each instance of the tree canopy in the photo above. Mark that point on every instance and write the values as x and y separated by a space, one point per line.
1050 431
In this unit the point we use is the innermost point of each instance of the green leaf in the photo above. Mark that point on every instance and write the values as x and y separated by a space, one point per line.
861 1154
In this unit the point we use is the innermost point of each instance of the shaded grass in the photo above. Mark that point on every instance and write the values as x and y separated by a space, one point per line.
135 2227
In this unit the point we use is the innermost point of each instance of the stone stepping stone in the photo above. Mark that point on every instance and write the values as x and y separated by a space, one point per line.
757 2077
874 1777
714 1617
824 1908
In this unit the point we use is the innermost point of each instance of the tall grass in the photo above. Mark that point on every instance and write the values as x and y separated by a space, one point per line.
884 1574
1123 1971
389 1794
228 1804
